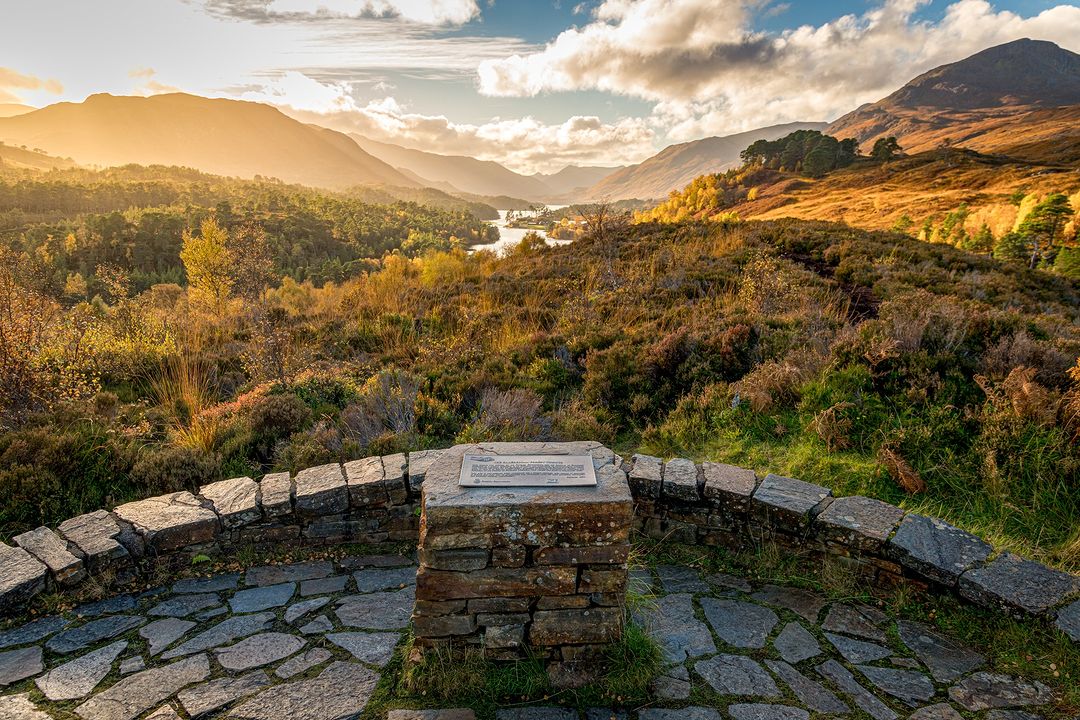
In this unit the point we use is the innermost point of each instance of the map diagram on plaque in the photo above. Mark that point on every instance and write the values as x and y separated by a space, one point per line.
527 471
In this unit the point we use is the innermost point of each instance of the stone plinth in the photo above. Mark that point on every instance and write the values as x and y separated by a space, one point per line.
509 568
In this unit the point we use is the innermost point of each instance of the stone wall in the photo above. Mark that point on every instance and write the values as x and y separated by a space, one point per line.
377 499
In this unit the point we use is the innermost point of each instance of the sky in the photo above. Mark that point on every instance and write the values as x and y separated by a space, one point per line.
534 84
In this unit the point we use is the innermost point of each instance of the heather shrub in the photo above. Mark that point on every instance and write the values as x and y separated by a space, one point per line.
172 469
273 417
508 416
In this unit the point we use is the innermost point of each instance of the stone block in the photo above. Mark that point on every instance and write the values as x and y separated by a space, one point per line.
563 602
395 468
935 549
52 550
367 483
602 581
418 464
276 494
787 503
594 555
680 480
525 515
492 619
458 560
444 625
97 536
575 627
1013 584
858 522
235 501
509 556
321 491
646 476
1068 621
21 577
434 608
503 637
169 522
494 582
728 486
498 605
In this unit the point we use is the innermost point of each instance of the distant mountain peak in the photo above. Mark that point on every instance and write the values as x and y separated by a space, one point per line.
1021 72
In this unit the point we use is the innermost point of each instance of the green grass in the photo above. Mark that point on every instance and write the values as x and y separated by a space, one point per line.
465 678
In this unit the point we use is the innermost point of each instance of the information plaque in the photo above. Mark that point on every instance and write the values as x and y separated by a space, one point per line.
527 471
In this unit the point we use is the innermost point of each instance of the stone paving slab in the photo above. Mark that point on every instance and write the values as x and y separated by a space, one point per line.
384 578
277 574
106 606
795 643
299 609
217 583
857 651
946 658
810 693
679 579
184 605
764 711
672 624
987 690
201 700
16 665
865 700
739 624
160 634
32 631
226 631
20 707
799 601
77 678
140 692
688 713
1068 621
377 611
340 691
262 598
371 648
912 687
736 675
302 662
95 631
258 650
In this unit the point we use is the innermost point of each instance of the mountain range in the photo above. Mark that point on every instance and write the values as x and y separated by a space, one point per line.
223 137
1020 99
675 166
1005 99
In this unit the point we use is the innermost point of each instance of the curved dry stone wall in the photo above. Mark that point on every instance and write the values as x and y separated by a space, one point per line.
377 500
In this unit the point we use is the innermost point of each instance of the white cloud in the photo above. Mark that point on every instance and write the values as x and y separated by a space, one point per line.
523 144
709 73
301 92
428 12
13 82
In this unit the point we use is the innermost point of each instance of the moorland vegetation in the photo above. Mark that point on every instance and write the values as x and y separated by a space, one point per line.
872 362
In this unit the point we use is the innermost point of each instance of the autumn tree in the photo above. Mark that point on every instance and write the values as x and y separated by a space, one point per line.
27 320
1044 225
208 263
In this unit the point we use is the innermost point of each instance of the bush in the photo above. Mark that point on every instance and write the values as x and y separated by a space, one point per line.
50 474
172 469
276 416
508 416
386 405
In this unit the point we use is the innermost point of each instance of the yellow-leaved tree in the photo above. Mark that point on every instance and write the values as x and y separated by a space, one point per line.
208 264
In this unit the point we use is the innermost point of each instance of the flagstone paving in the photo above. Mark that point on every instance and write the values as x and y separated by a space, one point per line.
310 641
